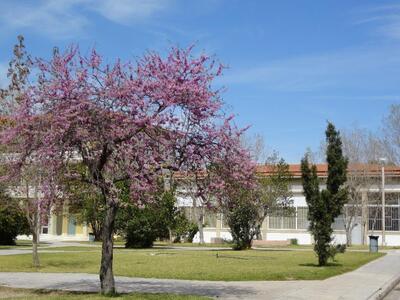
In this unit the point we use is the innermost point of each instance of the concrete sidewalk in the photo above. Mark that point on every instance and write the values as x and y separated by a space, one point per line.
371 281
46 248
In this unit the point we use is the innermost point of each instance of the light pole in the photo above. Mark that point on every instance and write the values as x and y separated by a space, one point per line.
383 160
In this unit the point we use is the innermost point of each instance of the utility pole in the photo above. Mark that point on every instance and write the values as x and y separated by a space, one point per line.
383 160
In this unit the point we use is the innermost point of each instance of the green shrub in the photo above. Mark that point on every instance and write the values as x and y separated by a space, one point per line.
243 225
335 249
192 231
184 229
140 231
12 222
294 241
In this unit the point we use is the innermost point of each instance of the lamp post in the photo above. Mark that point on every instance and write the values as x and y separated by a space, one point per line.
383 160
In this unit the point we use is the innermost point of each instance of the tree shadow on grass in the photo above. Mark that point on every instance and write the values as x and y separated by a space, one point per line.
272 250
249 257
64 264
330 264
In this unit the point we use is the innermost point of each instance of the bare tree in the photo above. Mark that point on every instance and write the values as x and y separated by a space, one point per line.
362 148
196 187
30 206
257 147
274 189
391 129
28 185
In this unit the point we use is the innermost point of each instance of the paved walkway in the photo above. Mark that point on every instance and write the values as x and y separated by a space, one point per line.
367 282
394 294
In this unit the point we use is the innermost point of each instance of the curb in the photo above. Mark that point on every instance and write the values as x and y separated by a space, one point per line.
384 290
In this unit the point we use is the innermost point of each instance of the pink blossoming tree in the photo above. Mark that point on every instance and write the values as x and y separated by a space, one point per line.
217 176
122 121
25 183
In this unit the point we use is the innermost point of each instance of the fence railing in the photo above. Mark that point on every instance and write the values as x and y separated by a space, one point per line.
296 218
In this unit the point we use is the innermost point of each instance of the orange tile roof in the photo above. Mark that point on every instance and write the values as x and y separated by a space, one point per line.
322 170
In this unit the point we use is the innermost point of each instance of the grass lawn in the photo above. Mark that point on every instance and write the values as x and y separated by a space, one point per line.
121 244
209 245
21 244
11 293
74 248
200 265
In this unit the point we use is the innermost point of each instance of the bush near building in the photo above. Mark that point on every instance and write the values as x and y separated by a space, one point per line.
12 222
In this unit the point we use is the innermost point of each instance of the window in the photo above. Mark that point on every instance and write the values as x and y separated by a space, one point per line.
392 218
282 219
338 223
210 219
45 227
302 221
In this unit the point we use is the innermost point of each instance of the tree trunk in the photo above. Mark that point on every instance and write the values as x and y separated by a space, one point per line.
201 232
35 255
96 230
170 235
198 213
35 229
259 223
200 225
348 237
106 269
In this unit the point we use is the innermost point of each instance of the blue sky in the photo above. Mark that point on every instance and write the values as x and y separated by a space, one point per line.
293 65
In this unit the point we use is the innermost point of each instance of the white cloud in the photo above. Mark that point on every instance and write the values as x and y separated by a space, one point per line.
57 19
363 68
129 11
385 20
69 18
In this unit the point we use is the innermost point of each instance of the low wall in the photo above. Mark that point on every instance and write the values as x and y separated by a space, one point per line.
303 237
51 237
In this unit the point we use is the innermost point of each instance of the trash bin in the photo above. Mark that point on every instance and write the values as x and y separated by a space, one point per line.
91 237
373 243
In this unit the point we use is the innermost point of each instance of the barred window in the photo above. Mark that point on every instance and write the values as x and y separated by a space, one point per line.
302 221
392 217
282 219
210 219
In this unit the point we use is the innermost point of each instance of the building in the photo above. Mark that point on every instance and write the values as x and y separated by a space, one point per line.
282 226
63 226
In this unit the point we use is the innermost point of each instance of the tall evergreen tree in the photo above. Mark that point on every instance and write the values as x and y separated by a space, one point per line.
324 206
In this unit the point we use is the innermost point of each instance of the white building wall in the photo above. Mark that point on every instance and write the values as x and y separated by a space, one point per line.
303 237
56 238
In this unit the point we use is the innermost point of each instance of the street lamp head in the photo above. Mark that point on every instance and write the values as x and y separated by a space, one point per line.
383 159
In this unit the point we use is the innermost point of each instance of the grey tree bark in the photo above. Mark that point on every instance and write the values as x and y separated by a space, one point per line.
107 281
348 238
35 244
200 224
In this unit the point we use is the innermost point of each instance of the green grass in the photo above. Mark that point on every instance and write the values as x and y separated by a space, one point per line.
366 247
207 245
98 243
21 244
310 247
11 293
199 265
120 244
74 248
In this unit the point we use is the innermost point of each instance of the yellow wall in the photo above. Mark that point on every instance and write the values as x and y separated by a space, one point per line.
79 228
65 224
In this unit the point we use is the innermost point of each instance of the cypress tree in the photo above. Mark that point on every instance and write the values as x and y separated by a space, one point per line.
324 206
